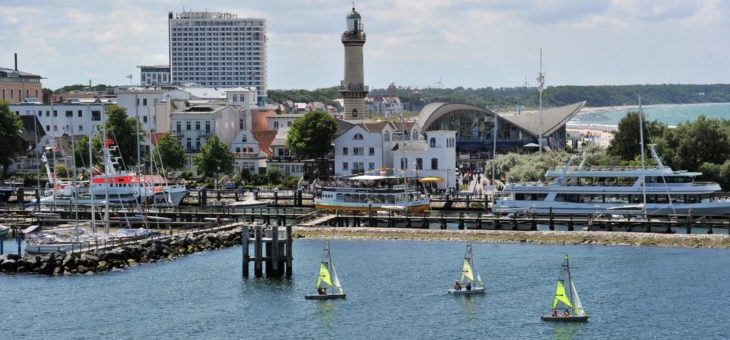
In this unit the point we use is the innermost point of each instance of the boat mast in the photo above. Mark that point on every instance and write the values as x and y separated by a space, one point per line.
38 179
494 154
73 182
91 191
107 164
540 88
643 167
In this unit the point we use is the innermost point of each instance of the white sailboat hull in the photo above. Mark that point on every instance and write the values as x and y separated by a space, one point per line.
464 291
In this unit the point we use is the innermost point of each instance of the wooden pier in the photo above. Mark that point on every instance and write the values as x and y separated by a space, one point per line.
272 251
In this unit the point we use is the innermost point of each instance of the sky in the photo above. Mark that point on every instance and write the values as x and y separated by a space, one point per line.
418 43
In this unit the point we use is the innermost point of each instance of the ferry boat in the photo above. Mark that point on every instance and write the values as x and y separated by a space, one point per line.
370 193
580 191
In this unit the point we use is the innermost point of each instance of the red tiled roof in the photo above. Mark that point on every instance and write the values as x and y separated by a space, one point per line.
264 138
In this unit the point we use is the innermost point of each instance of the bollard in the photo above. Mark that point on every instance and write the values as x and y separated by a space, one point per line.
244 243
18 239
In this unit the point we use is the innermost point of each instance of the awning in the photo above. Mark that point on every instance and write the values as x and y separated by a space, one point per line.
431 179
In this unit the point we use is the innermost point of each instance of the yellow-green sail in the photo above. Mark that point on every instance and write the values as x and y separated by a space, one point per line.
324 276
560 296
467 272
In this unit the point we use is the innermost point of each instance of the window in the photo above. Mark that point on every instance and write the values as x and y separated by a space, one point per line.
358 137
197 126
197 143
179 127
276 125
345 151
81 114
55 113
189 143
81 128
207 128
432 143
386 136
96 116
371 151
371 166
144 119
419 163
344 165
48 113
40 113
69 113
187 125
48 128
144 102
415 135
55 128
358 151
240 124
288 124
244 139
404 163
434 163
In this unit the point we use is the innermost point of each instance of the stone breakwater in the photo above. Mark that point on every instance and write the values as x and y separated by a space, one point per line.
145 251
535 237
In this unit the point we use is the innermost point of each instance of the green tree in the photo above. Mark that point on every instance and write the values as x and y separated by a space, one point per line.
273 175
122 130
170 152
626 142
311 137
10 129
214 158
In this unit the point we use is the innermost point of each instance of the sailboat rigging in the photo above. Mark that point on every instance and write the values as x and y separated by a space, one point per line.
569 301
328 283
470 282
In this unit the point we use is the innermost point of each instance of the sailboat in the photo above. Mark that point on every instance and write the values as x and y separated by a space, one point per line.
328 283
569 303
470 281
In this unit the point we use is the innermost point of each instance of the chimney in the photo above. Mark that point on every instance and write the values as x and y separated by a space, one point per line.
16 61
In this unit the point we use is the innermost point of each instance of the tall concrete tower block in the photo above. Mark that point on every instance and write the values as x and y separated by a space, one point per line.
353 88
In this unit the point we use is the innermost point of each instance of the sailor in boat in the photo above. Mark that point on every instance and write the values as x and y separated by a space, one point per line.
457 286
322 291
468 286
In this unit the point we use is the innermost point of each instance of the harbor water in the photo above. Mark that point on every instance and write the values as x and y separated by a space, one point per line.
396 289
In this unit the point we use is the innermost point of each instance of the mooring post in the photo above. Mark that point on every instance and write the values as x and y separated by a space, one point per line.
552 219
570 223
276 198
274 253
18 239
257 252
244 243
461 216
289 256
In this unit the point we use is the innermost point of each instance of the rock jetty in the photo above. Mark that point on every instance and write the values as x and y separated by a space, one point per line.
91 262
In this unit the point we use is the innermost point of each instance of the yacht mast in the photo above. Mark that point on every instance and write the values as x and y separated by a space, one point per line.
643 167
91 191
540 88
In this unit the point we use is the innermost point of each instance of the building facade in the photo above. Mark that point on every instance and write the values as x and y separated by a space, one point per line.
154 75
193 126
434 156
75 117
218 49
353 87
18 86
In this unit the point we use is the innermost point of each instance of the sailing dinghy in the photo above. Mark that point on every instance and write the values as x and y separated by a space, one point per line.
328 283
566 306
470 281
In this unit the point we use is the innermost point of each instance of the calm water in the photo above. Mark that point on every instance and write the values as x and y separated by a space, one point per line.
395 289
669 114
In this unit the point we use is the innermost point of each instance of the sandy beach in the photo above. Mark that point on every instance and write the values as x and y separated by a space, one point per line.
535 237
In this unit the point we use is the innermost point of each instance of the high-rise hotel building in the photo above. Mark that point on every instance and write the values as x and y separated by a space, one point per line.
217 49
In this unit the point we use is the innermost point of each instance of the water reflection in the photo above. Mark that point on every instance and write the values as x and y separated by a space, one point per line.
566 331
327 312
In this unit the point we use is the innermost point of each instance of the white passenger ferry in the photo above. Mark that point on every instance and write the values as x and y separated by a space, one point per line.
579 191
370 192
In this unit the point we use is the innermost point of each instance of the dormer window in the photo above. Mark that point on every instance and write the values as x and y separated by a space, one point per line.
358 136
432 143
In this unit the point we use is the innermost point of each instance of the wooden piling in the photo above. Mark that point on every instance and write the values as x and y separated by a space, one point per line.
289 257
257 270
244 243
274 252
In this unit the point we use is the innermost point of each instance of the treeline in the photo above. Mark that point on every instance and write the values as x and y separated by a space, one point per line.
510 97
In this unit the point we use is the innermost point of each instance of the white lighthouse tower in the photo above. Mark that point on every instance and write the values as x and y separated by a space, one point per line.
353 87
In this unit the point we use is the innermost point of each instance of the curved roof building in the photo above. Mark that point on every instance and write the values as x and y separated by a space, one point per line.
474 128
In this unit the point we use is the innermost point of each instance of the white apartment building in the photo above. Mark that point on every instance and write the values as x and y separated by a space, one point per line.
194 125
433 157
150 105
363 148
282 121
74 117
247 152
218 49
154 75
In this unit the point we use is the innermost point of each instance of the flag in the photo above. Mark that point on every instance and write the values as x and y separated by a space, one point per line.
130 77
395 147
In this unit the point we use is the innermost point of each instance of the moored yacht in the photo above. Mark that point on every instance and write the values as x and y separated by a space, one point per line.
580 191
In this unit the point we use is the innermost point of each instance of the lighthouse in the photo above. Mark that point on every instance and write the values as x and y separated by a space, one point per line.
353 87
